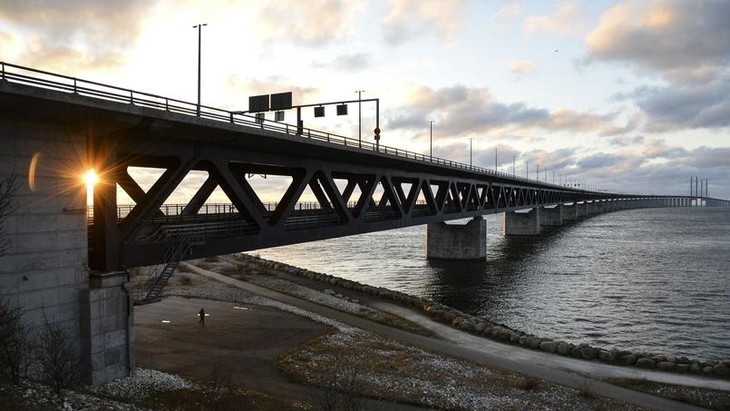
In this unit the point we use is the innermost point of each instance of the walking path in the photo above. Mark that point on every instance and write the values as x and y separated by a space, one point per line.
489 353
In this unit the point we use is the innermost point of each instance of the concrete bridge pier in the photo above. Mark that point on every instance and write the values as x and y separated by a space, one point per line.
551 216
581 209
45 271
570 212
522 223
599 207
590 208
457 242
107 326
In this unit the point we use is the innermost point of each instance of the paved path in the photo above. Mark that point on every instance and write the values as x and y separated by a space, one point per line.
508 358
589 368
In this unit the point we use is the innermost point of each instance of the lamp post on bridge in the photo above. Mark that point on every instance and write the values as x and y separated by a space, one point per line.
359 117
513 166
200 36
495 159
471 139
527 169
430 122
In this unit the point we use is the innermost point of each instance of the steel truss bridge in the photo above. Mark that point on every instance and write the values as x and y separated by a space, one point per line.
359 187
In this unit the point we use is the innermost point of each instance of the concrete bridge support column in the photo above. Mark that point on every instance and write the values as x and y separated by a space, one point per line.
45 271
581 209
521 223
107 326
457 242
590 208
551 216
570 212
599 207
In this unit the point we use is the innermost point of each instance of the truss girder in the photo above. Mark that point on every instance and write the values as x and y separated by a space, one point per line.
346 198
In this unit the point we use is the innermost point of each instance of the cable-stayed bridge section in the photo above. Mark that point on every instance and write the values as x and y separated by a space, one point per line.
53 128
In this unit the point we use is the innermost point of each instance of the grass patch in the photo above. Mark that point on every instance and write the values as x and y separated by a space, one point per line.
376 367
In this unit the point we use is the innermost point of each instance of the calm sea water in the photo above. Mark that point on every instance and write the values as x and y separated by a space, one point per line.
647 280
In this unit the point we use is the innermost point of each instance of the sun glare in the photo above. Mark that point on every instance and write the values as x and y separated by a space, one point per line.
90 178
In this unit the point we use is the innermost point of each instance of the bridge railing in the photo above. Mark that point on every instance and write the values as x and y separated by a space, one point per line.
58 82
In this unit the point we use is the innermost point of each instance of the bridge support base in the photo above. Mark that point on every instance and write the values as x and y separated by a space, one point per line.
570 212
521 223
457 242
107 328
551 216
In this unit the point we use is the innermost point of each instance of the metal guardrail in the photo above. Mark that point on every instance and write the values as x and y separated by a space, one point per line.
58 82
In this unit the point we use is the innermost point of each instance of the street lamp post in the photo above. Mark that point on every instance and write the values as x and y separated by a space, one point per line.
359 117
527 170
513 166
430 122
200 36
537 173
471 139
495 159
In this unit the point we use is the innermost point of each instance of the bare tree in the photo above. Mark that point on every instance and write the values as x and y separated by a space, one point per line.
8 188
14 353
13 334
58 356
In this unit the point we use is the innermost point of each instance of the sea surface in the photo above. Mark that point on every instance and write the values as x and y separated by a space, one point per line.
655 280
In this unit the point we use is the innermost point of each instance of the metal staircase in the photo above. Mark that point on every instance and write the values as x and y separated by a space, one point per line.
152 288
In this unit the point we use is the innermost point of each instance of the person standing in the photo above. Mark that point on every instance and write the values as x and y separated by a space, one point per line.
201 313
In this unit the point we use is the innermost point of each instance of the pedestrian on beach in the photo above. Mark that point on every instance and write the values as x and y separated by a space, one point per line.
201 313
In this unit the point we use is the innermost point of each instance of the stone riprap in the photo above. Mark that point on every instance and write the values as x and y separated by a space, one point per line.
500 332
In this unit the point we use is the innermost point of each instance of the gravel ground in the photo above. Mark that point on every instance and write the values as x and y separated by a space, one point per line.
116 395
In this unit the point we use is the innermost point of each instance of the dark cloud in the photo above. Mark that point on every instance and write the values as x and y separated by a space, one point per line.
686 43
599 160
686 106
461 111
678 38
626 141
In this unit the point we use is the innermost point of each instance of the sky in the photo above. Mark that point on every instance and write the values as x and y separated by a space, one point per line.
626 96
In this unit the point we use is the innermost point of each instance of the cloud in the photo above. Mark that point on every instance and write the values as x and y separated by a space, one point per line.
626 141
75 33
566 21
462 111
414 18
312 22
659 149
676 38
686 44
686 106
521 68
348 62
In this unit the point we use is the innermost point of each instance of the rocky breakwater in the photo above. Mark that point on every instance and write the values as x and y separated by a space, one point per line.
499 332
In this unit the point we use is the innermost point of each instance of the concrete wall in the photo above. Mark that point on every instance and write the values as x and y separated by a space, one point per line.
45 270
522 223
457 242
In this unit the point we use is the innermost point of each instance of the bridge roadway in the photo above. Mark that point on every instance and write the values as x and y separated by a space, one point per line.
359 186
